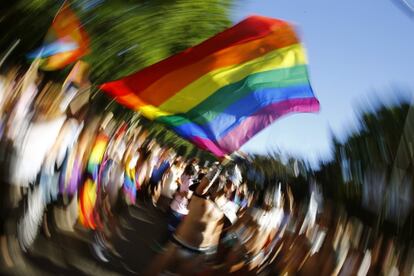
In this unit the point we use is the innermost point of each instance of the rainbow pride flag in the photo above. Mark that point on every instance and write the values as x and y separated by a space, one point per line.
88 193
222 92
66 41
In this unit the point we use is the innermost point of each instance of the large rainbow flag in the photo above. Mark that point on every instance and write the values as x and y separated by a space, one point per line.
222 92
66 41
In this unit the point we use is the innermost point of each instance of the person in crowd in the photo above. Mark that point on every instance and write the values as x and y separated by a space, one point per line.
194 244
195 163
179 205
161 167
141 169
154 151
254 234
169 185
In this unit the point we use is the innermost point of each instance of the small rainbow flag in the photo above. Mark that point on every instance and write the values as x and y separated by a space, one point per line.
220 93
65 42
89 191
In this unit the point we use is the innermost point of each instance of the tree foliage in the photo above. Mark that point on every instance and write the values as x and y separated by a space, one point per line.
125 35
372 171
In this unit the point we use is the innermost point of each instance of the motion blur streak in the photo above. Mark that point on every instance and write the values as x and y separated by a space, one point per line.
80 177
88 187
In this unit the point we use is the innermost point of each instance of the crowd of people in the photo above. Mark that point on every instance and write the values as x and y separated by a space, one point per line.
271 233
57 150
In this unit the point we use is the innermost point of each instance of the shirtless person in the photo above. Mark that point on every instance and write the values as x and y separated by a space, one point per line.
197 237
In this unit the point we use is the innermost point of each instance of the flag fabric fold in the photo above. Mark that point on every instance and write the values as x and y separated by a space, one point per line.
220 93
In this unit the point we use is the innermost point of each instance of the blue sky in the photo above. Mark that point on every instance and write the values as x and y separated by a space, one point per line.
357 51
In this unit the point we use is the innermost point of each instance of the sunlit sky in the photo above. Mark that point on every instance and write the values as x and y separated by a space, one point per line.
357 50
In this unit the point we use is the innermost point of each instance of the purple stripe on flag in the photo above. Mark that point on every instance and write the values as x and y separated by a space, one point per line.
207 144
235 113
261 119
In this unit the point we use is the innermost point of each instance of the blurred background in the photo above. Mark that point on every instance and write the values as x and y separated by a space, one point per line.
61 137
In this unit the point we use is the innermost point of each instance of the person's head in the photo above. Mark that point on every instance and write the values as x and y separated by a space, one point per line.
242 189
203 170
190 171
213 179
229 186
171 154
164 154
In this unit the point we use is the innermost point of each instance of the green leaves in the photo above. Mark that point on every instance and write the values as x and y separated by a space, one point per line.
125 35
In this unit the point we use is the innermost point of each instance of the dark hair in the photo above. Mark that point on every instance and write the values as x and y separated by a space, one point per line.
201 175
190 170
